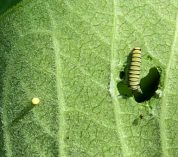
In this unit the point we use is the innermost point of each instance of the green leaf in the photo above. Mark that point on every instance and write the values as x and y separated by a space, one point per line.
69 54
7 4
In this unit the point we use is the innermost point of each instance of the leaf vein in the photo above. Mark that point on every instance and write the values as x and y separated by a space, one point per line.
163 128
60 94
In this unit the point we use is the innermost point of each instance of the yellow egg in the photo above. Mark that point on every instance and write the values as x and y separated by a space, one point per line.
35 101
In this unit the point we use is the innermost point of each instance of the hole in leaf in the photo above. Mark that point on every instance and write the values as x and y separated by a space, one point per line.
141 116
122 86
122 74
149 85
123 89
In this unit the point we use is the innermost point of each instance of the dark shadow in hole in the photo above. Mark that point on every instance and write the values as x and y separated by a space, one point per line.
149 85
122 75
141 116
124 90
122 86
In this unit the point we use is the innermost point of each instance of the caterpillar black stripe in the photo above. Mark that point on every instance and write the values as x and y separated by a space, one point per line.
134 70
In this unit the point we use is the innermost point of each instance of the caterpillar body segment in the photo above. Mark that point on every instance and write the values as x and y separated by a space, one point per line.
134 70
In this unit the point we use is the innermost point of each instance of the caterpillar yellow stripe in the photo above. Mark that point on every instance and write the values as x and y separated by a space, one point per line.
134 69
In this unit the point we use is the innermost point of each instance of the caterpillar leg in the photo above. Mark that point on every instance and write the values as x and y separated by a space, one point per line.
137 91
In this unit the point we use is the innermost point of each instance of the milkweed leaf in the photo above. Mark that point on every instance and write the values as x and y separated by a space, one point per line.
69 54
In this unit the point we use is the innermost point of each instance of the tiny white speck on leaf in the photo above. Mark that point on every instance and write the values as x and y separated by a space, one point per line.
35 101
159 93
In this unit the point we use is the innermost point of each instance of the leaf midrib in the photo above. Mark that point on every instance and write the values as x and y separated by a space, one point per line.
60 94
113 83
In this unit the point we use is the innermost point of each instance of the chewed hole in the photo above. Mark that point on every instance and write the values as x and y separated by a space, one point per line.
149 85
123 89
141 116
122 74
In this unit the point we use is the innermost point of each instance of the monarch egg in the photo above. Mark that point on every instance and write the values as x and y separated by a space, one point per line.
35 101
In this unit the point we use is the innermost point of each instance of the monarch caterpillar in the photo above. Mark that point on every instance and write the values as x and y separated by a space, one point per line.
35 101
134 70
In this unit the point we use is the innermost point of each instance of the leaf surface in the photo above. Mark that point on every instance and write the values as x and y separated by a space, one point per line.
69 54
